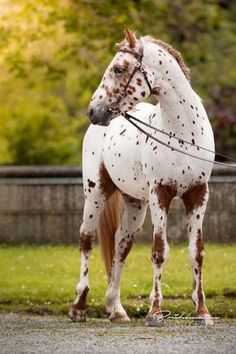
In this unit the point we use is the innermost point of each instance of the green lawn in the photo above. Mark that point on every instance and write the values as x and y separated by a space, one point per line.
43 279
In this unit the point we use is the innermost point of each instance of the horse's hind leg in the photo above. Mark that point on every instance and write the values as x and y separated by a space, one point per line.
93 207
195 201
132 220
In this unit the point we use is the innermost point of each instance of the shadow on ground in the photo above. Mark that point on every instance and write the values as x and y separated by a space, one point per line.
47 334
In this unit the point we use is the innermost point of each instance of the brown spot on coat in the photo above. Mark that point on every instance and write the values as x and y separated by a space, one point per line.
155 309
116 90
81 305
194 197
199 259
155 306
106 184
126 64
156 90
123 131
201 310
91 184
127 249
158 248
200 248
165 194
200 291
86 241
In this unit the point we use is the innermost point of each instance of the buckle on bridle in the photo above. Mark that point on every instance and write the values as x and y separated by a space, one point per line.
142 69
114 107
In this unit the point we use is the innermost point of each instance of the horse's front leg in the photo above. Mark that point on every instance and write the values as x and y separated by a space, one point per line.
160 199
195 201
92 211
132 220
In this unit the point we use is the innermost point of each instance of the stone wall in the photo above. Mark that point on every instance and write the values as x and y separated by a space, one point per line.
40 205
220 217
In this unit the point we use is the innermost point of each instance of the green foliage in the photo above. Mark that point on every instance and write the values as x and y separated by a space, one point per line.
42 279
39 133
53 54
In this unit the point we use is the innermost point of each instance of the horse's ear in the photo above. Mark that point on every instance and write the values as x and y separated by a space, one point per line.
130 37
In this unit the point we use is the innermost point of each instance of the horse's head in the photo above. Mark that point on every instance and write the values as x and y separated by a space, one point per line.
125 82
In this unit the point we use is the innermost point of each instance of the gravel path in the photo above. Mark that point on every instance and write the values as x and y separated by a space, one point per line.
48 334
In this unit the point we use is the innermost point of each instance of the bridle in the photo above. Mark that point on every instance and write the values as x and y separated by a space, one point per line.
114 106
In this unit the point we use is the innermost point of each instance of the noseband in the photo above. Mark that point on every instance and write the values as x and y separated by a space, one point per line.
114 106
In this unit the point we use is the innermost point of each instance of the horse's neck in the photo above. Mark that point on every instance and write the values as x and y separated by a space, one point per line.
181 108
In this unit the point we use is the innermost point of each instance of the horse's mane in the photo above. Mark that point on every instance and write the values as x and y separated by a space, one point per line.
174 53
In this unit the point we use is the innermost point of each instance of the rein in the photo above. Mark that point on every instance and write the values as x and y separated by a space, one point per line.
130 119
114 106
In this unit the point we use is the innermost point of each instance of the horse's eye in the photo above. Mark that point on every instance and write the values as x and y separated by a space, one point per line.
118 69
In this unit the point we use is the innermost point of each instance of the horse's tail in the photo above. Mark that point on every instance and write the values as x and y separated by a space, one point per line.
108 224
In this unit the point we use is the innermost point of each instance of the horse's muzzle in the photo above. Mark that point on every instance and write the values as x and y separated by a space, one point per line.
102 116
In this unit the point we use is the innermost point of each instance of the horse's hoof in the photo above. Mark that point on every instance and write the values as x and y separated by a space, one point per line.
118 317
204 320
154 321
77 315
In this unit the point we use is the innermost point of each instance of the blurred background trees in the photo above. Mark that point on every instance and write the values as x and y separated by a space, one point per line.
54 52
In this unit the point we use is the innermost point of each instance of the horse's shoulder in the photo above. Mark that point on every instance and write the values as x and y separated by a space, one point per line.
94 135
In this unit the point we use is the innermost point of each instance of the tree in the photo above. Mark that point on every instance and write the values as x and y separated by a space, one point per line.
53 54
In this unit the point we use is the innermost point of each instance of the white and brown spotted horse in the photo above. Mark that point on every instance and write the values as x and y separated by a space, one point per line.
121 164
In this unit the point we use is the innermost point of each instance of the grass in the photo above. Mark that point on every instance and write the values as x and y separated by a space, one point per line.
43 279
